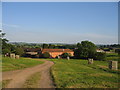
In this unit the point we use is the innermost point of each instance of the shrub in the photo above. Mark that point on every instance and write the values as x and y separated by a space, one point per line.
100 56
117 51
65 55
46 55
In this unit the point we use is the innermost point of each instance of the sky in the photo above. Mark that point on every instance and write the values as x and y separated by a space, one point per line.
0 15
60 0
60 22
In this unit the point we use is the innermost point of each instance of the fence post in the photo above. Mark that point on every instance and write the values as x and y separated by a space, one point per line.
90 61
12 55
68 58
17 56
113 65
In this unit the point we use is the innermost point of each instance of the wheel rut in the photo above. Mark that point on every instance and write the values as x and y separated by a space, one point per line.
20 76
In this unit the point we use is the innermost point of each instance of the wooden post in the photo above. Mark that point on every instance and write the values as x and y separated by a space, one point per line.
90 61
113 65
12 55
58 57
17 56
5 55
68 58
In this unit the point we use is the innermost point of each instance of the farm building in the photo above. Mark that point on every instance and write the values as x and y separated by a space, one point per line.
57 52
100 50
32 52
52 52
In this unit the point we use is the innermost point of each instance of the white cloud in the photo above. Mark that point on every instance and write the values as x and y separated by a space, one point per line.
10 25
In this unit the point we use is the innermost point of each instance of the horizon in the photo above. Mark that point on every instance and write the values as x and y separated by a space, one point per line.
63 22
58 43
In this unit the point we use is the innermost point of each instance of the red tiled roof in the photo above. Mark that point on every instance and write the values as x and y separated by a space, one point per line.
56 50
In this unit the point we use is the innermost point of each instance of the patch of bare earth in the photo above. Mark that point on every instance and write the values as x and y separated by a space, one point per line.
20 76
101 66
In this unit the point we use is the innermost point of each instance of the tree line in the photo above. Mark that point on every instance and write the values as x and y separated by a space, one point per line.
83 50
45 45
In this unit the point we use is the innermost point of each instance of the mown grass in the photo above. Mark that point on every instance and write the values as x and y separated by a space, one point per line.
9 64
112 56
32 81
78 74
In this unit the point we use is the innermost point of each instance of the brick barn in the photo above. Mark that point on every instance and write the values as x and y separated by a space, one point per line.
57 52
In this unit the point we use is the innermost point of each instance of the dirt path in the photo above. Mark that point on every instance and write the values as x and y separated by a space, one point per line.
19 76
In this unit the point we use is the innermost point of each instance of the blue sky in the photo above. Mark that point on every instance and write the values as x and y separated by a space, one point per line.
61 22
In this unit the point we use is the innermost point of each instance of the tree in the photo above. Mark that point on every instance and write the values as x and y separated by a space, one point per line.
77 53
51 46
9 48
46 55
4 40
4 43
65 55
78 44
45 45
5 51
85 50
19 51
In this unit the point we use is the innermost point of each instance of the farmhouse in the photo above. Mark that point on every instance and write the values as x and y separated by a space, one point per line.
57 52
32 52
100 50
53 52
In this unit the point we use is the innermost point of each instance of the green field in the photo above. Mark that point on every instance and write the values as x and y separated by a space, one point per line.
9 64
73 73
112 56
78 74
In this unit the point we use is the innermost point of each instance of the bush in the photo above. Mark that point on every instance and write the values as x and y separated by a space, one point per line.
100 56
117 51
65 55
46 55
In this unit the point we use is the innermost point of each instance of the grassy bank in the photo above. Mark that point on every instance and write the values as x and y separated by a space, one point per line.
78 74
5 83
9 64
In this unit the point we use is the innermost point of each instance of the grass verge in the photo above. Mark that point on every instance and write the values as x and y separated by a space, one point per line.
5 83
